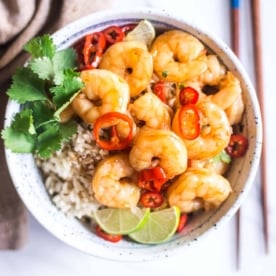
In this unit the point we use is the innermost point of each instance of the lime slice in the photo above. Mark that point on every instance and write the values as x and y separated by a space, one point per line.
144 32
121 221
159 227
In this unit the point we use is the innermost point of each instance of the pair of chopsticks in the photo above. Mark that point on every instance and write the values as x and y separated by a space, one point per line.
257 46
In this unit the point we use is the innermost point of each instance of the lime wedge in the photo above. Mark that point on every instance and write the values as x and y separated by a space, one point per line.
121 221
159 227
144 32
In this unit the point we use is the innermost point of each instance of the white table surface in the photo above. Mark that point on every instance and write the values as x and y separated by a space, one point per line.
215 255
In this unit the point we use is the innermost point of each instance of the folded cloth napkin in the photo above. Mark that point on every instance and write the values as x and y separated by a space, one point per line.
21 20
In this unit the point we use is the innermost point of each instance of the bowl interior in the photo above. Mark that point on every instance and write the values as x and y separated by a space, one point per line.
28 181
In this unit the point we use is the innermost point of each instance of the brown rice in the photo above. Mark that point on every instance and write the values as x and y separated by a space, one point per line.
68 174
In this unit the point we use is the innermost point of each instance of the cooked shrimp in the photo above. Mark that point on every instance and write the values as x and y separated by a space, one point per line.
103 92
132 61
214 133
198 188
112 182
214 73
235 111
152 111
178 56
216 166
160 146
229 90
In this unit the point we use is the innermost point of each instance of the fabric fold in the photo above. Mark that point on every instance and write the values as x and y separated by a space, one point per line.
21 20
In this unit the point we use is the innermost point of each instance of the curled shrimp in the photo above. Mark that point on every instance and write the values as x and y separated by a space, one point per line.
158 146
152 111
198 188
178 56
214 73
216 166
103 92
235 111
228 91
112 182
132 61
215 132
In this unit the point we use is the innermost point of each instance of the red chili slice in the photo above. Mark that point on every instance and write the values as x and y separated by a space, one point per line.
113 34
78 46
188 95
110 120
182 222
94 46
152 179
151 200
159 90
237 146
189 122
106 236
128 27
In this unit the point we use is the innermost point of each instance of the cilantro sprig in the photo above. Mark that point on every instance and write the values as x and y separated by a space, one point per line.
43 88
223 156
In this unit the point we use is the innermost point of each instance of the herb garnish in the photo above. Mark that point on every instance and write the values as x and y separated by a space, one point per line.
44 88
164 74
223 156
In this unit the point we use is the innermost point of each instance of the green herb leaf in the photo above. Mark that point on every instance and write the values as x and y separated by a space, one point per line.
164 74
26 86
71 84
64 106
41 47
49 141
43 67
42 113
68 129
222 157
20 136
45 87
63 60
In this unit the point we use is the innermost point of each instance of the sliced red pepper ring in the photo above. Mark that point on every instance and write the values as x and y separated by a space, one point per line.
113 34
78 46
188 95
94 46
152 179
110 120
237 146
189 122
151 200
159 90
128 27
182 222
106 236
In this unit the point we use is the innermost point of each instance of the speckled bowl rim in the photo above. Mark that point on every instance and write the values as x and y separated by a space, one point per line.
22 167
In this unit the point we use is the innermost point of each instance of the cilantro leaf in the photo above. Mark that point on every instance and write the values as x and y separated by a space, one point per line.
44 88
71 84
41 47
222 157
43 67
49 141
62 60
42 113
64 106
20 136
68 129
26 86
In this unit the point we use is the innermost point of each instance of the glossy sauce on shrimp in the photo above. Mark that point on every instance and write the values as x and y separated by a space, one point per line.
169 137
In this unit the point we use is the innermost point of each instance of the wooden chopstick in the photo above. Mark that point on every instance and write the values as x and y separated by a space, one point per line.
235 41
257 43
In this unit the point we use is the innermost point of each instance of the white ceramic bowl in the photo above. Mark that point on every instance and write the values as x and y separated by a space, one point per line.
30 187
